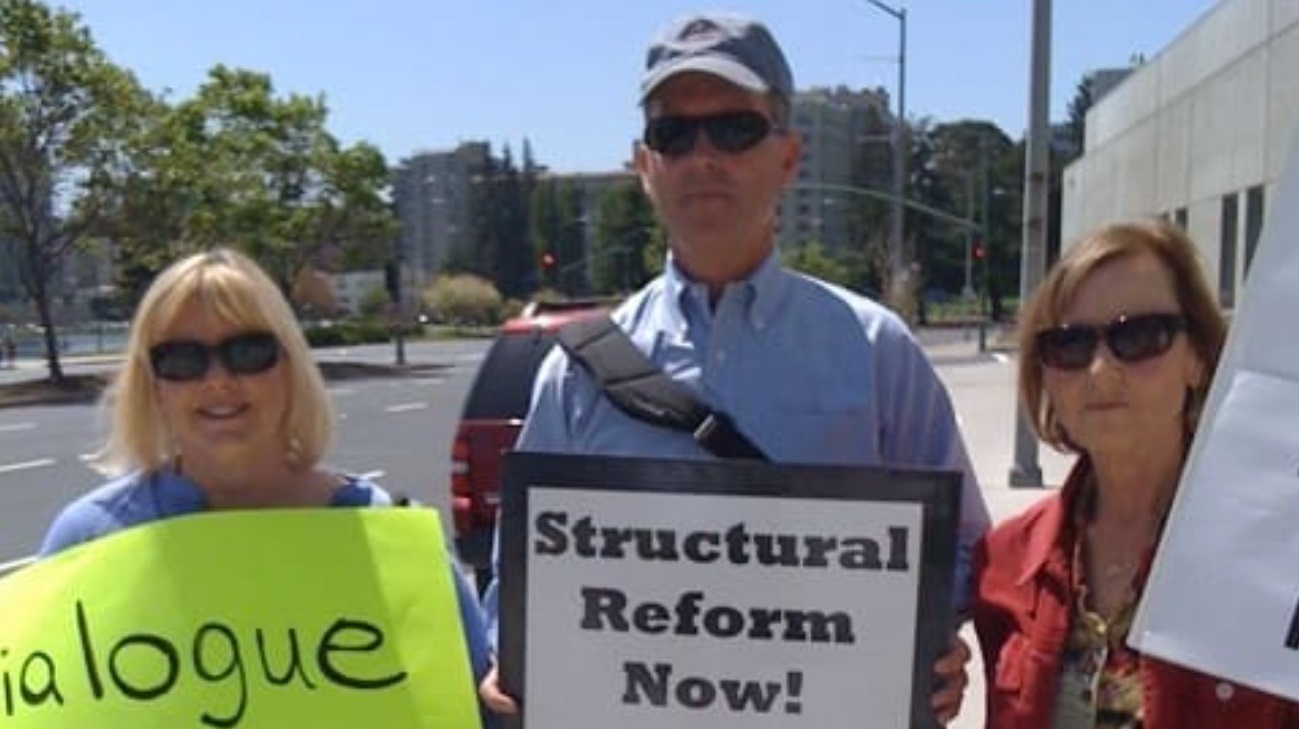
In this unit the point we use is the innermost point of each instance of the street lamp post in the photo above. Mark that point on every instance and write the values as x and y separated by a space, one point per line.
967 290
392 272
897 265
1025 471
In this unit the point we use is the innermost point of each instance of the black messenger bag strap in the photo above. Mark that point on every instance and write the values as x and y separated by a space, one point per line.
632 383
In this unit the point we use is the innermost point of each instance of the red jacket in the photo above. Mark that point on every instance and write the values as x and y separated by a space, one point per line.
1021 610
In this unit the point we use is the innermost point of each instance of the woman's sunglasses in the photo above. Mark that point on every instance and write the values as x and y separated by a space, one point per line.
732 132
1129 338
188 360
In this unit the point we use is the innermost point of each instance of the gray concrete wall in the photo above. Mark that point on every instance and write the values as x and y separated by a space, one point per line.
1212 114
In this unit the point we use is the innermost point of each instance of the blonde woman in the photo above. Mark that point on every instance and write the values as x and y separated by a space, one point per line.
219 405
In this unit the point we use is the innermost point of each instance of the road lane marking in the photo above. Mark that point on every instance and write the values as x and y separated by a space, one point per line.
17 426
1001 357
406 407
339 391
372 475
24 465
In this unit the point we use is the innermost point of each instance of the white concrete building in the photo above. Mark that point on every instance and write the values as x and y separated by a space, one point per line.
352 288
1199 134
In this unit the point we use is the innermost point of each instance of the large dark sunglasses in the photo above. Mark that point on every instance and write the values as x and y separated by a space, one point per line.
732 132
1129 338
242 354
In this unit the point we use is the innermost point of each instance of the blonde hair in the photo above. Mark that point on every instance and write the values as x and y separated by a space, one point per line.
1206 328
235 289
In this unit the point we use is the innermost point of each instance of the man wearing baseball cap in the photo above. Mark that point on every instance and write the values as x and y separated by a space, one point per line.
808 372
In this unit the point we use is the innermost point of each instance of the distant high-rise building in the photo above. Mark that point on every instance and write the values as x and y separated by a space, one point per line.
431 197
835 125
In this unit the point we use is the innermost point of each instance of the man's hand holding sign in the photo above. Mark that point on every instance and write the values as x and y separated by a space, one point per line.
673 593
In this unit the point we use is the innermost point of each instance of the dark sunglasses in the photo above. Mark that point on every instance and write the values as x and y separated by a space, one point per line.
1129 338
187 360
732 132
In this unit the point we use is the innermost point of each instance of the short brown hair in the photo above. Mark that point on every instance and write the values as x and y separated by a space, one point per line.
238 291
1206 327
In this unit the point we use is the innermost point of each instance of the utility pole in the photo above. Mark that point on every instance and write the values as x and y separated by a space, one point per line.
899 271
967 291
392 274
987 242
1025 471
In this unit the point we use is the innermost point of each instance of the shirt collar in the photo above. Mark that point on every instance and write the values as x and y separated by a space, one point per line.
763 291
177 494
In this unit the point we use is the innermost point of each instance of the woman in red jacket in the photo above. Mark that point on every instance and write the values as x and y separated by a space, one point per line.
1117 349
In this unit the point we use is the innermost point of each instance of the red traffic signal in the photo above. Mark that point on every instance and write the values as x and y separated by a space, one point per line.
979 253
547 260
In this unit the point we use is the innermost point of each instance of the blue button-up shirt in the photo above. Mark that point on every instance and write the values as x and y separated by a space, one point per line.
810 372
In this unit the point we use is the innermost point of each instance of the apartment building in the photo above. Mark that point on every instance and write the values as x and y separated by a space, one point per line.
431 198
836 125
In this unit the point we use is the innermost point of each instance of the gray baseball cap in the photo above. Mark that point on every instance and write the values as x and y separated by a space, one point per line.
733 47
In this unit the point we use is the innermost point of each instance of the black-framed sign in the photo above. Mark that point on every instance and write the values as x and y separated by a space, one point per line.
652 593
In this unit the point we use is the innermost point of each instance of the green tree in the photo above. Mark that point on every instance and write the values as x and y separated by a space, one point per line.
558 227
544 224
374 303
1083 98
240 166
514 267
484 220
66 113
974 169
146 214
812 259
625 227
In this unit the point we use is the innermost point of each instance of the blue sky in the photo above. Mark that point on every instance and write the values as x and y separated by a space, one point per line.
412 75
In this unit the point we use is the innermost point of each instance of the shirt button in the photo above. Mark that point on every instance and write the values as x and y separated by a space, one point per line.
1224 691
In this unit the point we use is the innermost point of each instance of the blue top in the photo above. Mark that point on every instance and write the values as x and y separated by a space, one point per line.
140 498
810 372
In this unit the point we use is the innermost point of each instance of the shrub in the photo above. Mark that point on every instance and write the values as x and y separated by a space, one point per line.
353 333
463 300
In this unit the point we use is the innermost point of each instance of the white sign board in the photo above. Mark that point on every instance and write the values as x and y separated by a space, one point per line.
1223 596
688 608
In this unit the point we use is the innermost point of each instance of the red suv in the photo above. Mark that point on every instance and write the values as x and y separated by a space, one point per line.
492 416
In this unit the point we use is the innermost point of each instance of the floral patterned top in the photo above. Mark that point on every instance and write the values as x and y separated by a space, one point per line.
1100 687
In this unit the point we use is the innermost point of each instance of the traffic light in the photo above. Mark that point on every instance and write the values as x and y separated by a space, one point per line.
979 252
547 260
